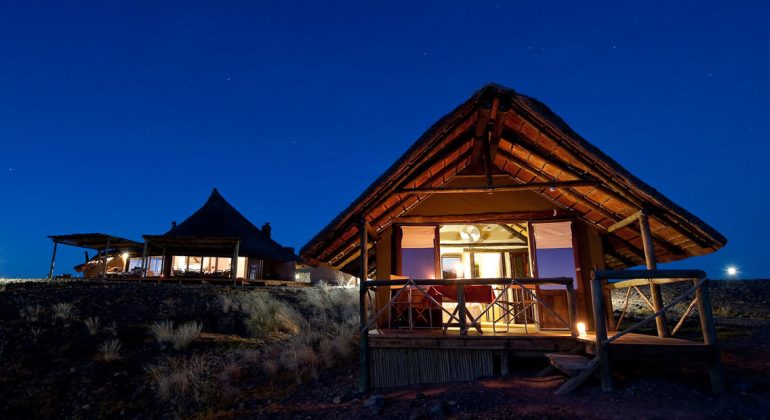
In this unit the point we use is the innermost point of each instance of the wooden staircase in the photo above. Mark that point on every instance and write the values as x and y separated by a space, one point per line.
578 369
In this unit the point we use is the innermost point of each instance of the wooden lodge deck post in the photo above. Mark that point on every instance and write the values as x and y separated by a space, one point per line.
53 260
649 256
106 251
600 323
144 260
710 336
364 379
234 263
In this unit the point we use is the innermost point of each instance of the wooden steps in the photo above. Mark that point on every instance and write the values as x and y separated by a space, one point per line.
578 368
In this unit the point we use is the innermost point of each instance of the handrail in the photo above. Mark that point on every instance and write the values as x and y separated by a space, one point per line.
648 274
631 279
471 282
459 314
649 318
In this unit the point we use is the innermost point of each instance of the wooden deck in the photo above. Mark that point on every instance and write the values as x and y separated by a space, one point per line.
400 357
535 344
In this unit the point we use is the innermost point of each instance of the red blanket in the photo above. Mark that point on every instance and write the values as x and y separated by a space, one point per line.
473 294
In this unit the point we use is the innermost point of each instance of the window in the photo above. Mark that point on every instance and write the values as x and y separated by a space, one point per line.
554 256
418 252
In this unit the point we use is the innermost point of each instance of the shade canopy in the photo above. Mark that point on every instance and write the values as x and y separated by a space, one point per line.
512 135
96 241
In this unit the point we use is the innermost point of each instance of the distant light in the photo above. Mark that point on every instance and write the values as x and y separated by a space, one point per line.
459 269
731 270
581 327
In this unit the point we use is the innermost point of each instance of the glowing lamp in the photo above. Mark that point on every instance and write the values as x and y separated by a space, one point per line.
125 256
581 327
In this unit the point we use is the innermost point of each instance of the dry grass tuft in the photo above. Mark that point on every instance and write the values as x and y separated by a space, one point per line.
31 313
186 334
162 331
92 323
110 350
64 311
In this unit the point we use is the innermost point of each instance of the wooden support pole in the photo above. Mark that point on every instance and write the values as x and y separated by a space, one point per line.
710 336
649 256
144 259
461 315
234 263
53 260
364 379
602 349
572 309
623 223
106 251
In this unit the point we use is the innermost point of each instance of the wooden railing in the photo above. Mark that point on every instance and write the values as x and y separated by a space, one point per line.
632 280
404 295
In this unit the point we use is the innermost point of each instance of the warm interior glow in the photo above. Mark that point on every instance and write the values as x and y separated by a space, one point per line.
125 256
581 327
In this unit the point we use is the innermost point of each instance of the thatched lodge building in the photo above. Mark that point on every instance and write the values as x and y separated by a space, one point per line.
215 243
492 225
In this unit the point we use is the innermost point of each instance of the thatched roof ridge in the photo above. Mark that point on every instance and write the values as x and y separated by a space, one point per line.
219 219
532 132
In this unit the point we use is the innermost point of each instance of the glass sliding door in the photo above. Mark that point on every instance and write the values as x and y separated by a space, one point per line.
489 250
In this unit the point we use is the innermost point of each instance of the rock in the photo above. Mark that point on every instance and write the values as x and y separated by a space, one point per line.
417 414
742 386
337 400
439 409
375 403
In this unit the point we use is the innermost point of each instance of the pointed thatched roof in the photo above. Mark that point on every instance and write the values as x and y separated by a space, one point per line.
218 219
531 145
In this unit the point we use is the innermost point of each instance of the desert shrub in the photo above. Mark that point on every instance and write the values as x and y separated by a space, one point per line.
227 303
266 314
185 334
335 302
92 323
36 333
112 329
30 313
180 378
110 350
270 367
197 382
64 311
162 331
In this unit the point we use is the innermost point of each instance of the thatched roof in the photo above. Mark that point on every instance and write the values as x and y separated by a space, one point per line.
530 144
219 221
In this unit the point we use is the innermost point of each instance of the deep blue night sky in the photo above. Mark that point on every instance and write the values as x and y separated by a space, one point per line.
120 117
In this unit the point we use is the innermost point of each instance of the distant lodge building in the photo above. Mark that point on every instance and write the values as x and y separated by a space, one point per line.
215 242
